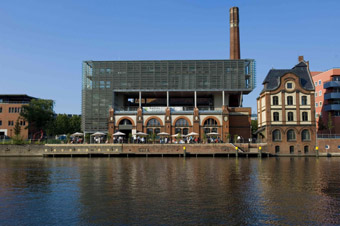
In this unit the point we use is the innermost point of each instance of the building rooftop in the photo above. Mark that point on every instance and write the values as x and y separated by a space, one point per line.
273 78
15 98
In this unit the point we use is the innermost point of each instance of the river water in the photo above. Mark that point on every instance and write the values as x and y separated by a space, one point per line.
169 191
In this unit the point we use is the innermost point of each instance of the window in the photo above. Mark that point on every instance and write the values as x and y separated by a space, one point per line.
320 93
210 122
304 116
277 149
316 104
153 123
10 123
0 109
305 149
316 83
316 94
305 135
291 135
276 135
316 115
0 123
289 100
319 82
276 117
275 100
291 149
320 104
303 100
125 122
290 116
289 85
181 123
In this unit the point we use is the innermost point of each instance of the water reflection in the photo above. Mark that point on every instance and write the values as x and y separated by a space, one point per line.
169 191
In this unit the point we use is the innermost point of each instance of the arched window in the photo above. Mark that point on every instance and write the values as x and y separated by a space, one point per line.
153 127
276 116
275 100
276 135
305 135
210 126
290 116
153 123
125 122
291 135
181 123
289 100
304 116
210 122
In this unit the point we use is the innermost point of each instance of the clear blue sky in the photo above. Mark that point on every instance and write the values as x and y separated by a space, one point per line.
43 43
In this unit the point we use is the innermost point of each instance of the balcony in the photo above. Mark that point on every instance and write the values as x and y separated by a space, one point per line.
332 107
331 84
332 96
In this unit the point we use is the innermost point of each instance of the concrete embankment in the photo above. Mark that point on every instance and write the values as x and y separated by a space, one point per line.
90 150
130 150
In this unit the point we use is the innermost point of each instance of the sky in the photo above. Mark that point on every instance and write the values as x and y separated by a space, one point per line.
43 43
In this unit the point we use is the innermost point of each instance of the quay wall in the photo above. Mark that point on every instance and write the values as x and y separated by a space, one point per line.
40 150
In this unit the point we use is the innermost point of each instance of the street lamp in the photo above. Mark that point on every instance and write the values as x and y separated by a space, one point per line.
239 138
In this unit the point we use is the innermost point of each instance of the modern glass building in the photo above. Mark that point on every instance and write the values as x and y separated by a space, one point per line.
180 85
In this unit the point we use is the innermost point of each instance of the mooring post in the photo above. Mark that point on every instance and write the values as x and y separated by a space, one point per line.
184 152
260 152
317 151
236 154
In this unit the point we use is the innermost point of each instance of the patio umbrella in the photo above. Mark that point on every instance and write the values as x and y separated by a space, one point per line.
141 134
163 134
118 134
77 134
213 134
192 134
176 135
98 134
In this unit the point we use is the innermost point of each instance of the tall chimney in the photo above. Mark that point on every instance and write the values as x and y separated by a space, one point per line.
234 34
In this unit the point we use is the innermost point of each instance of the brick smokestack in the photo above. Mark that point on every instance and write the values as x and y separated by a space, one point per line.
234 34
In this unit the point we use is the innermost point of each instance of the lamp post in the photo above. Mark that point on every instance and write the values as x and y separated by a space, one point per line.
239 138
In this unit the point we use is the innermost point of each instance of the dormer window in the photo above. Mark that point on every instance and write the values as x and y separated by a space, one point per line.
289 85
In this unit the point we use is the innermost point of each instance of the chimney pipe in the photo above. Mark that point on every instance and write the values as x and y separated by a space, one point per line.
234 34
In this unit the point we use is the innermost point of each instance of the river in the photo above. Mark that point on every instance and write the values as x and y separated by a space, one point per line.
169 191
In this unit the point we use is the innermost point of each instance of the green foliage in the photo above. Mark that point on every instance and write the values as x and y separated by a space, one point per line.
204 137
153 136
330 125
87 138
179 136
38 113
321 125
235 138
254 126
228 137
130 137
17 128
63 124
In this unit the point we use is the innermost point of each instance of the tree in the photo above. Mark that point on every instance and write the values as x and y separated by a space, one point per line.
254 126
38 113
330 125
321 125
17 128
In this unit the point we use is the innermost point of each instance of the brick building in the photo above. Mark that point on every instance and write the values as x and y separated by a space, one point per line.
10 108
327 99
286 111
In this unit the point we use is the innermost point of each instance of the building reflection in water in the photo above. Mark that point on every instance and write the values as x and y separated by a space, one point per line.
169 191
